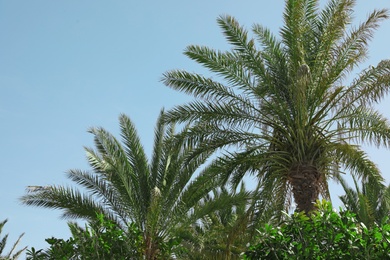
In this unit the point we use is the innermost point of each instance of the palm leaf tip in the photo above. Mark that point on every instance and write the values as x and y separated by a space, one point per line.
34 188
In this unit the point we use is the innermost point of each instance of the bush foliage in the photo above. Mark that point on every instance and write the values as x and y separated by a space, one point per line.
325 234
100 239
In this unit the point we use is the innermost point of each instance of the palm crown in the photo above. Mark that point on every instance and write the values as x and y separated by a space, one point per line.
126 187
285 104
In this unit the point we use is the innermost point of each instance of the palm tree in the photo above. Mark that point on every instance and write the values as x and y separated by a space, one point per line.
125 187
3 241
370 203
223 233
281 108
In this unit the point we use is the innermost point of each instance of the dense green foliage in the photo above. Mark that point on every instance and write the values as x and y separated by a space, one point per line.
101 239
325 234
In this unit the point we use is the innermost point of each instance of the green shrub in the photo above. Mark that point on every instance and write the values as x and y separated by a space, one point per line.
325 234
100 239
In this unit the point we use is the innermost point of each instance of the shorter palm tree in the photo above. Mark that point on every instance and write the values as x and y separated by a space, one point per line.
126 187
3 241
370 203
222 233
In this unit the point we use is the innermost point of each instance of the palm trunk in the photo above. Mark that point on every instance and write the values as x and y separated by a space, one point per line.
305 180
150 248
227 251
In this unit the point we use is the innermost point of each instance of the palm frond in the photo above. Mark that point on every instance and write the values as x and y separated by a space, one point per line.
357 161
118 168
226 65
11 254
106 192
158 151
200 87
353 50
274 60
367 125
329 29
72 202
238 37
294 30
371 86
135 155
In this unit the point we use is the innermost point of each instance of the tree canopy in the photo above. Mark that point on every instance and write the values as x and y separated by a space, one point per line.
291 110
284 108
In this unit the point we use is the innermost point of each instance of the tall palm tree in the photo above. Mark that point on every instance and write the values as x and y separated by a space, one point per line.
284 104
3 242
370 203
126 187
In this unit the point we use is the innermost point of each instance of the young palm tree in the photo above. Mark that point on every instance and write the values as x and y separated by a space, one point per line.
3 241
126 188
285 103
370 203
220 234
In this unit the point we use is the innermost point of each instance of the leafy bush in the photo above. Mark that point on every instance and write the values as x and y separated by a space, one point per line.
100 239
325 234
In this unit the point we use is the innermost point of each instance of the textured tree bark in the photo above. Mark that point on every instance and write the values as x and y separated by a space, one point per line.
305 181
151 250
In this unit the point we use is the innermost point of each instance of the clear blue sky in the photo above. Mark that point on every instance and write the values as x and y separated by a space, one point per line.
69 65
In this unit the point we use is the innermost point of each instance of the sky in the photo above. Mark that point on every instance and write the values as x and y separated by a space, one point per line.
69 65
